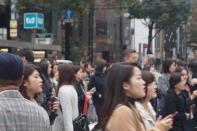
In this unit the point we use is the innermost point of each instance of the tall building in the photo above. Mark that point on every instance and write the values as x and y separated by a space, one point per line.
107 31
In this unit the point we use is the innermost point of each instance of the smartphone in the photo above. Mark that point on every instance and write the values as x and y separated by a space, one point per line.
174 114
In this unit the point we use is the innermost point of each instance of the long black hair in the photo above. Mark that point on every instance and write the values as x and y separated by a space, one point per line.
100 66
115 94
167 63
44 65
28 70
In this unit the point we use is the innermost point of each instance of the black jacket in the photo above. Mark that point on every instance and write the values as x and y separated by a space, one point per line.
173 104
194 88
79 86
46 97
97 81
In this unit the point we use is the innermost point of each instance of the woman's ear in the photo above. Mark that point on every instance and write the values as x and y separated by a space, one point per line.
25 83
126 86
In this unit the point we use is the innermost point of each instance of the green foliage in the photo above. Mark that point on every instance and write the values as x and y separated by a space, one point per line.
159 14
168 13
48 5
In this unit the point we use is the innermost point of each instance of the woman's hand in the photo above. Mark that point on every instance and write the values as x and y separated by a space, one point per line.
194 81
187 115
194 94
55 105
164 124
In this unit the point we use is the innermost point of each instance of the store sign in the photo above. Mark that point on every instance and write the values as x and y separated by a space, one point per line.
13 24
33 21
13 32
43 39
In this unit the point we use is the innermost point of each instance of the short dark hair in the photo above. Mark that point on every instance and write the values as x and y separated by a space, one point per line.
87 63
131 64
148 78
76 68
180 69
193 68
166 65
181 63
28 54
126 53
175 78
100 64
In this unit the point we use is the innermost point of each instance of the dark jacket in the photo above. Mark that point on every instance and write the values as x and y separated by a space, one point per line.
79 86
45 97
193 88
173 104
97 81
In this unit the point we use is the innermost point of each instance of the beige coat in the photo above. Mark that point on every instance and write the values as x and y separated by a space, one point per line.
127 119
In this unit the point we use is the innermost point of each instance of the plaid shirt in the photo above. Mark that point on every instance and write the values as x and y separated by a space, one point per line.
19 114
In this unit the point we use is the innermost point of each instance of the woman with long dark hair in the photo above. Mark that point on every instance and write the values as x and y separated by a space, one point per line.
32 86
79 86
68 99
174 104
47 98
32 83
124 86
169 66
187 98
52 75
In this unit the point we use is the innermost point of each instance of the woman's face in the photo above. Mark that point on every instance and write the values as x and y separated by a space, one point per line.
181 85
172 67
34 83
57 75
55 69
104 69
80 75
136 86
152 90
153 71
89 68
49 69
185 75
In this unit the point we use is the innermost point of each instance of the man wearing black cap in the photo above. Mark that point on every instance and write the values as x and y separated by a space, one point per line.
17 113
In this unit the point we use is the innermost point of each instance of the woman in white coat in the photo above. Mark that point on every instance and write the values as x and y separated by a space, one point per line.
68 99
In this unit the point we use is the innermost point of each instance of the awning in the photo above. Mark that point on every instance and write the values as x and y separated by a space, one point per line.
28 45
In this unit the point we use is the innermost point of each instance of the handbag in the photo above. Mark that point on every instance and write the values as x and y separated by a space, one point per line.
81 122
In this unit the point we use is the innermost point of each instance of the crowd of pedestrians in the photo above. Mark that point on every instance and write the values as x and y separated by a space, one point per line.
123 96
